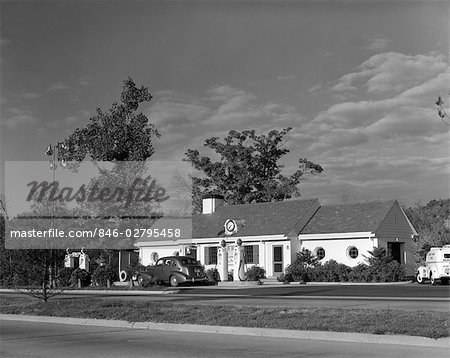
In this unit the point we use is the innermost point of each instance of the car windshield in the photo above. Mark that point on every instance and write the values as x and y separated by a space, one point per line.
447 256
189 262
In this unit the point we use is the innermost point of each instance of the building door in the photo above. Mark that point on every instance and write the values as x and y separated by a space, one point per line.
394 249
277 260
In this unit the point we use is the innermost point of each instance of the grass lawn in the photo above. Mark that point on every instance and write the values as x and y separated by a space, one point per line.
420 323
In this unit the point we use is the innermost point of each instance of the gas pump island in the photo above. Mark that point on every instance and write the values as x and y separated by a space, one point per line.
237 252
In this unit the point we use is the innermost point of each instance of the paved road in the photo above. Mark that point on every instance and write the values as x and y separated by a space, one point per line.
296 290
33 339
402 297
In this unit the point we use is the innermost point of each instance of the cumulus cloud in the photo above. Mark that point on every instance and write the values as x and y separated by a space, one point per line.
377 44
409 114
391 72
58 86
16 117
221 109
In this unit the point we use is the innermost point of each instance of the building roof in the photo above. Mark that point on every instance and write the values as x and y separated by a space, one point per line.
348 218
274 218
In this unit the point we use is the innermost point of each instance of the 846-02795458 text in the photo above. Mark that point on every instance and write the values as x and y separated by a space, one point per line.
97 232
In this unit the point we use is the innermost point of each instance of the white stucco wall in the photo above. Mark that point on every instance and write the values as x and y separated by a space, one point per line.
336 249
264 243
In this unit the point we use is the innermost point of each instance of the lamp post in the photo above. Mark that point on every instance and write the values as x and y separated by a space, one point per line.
54 152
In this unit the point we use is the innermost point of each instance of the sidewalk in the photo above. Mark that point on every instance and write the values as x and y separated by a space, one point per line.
261 332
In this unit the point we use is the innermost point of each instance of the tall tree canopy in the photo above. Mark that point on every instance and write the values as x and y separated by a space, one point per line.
432 222
120 133
248 168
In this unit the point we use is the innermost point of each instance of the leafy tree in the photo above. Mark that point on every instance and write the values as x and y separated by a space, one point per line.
432 222
248 168
117 134
120 133
442 113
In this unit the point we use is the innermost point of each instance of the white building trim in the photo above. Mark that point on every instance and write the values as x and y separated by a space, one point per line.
337 236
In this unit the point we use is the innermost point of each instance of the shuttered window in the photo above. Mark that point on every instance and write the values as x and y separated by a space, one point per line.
251 254
211 255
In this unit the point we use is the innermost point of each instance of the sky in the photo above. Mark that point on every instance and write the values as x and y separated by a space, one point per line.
357 81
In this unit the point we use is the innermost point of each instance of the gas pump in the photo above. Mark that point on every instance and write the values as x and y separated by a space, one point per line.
239 262
223 261
84 260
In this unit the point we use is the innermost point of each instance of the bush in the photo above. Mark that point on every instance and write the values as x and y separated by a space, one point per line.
359 273
331 271
102 274
64 276
285 277
213 275
383 268
148 282
255 273
82 275
298 272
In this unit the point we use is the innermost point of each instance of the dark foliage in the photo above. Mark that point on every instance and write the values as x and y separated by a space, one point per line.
255 273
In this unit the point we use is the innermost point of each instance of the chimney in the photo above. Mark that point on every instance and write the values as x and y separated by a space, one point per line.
211 202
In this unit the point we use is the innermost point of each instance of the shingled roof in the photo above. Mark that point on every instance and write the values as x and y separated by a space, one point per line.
274 218
348 218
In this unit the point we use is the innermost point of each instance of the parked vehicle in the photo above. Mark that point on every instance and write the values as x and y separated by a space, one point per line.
437 266
174 270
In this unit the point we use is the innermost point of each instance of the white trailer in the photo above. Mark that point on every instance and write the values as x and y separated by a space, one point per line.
437 266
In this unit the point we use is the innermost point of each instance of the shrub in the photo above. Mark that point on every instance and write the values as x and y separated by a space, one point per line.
148 282
285 277
383 268
359 273
82 275
213 275
298 272
64 276
331 271
255 273
102 274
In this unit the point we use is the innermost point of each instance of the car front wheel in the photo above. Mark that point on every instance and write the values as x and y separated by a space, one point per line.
174 282
433 280
420 279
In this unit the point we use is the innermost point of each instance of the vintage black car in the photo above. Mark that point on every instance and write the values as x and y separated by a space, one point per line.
174 270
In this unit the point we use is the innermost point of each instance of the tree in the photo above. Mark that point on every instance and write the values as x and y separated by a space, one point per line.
442 113
117 134
432 222
120 133
248 169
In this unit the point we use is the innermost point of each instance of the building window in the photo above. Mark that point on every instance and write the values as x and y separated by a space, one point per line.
352 252
211 255
320 252
251 254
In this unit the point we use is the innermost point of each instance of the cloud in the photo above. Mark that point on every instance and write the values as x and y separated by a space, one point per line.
85 80
391 72
58 86
69 122
17 117
221 109
316 89
377 44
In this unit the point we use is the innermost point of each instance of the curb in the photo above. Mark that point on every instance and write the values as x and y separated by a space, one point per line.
276 283
103 292
259 332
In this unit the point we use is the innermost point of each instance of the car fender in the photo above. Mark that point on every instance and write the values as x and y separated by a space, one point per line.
181 277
